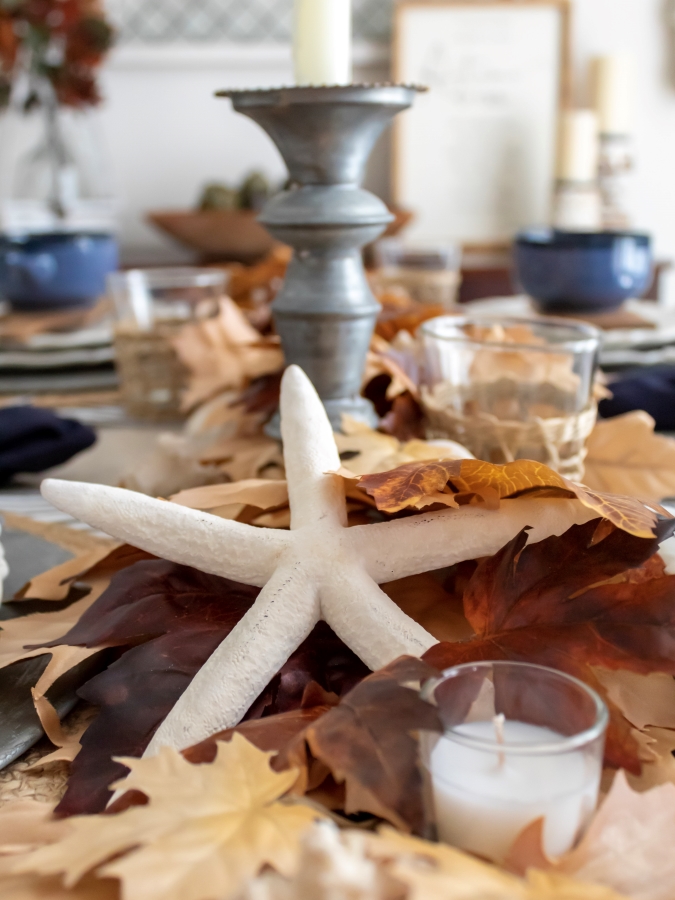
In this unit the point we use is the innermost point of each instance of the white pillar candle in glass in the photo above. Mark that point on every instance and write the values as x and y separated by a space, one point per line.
613 84
322 42
494 772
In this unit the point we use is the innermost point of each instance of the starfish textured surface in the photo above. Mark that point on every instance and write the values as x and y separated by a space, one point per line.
320 569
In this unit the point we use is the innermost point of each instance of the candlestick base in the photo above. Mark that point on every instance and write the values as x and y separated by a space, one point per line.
325 312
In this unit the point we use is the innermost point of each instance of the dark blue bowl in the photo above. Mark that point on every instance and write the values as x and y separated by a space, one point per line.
55 270
582 272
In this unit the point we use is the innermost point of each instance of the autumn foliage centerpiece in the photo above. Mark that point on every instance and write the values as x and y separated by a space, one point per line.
50 51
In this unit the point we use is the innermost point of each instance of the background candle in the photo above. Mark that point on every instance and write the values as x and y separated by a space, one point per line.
579 146
322 38
612 81
484 798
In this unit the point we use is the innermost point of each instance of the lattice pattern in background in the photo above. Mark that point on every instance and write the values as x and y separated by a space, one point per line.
158 21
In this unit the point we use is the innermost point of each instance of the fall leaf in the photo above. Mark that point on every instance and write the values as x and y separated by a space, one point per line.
257 492
628 846
369 743
365 451
435 871
625 456
171 618
554 603
224 352
206 830
421 484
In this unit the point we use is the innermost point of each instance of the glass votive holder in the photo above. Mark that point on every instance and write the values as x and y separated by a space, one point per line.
520 743
152 306
512 388
428 272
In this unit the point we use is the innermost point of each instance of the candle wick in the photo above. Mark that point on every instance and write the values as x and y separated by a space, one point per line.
498 722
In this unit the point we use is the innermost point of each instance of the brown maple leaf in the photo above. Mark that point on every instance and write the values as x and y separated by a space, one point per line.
368 743
559 604
453 482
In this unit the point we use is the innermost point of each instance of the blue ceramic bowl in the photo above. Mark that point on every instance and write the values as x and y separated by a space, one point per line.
582 272
55 270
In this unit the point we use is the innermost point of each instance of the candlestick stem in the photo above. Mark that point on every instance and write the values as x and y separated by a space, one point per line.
325 312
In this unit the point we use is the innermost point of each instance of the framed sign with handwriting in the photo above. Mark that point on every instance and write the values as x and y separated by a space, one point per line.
475 157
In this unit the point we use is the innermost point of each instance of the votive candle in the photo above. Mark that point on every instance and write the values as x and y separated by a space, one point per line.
522 742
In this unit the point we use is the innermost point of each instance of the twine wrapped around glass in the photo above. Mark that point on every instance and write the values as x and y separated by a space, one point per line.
512 389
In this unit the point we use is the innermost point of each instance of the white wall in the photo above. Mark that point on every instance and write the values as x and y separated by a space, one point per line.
167 135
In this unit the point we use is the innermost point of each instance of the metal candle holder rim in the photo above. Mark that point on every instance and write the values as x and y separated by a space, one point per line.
306 93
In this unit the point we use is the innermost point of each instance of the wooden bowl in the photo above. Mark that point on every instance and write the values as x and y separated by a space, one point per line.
217 234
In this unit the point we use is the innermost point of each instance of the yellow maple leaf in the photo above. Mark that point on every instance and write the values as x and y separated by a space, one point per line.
206 830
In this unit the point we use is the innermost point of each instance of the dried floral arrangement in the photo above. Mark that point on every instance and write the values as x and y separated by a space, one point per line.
316 792
62 41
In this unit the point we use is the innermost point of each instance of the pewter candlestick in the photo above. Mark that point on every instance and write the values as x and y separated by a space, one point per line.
325 312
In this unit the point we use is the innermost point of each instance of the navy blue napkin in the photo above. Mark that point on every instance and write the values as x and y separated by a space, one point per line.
650 389
32 440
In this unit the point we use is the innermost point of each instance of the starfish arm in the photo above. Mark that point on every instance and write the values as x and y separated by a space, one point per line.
236 674
309 453
423 543
371 624
210 544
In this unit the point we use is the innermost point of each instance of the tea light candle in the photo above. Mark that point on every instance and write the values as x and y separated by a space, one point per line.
612 79
484 798
322 38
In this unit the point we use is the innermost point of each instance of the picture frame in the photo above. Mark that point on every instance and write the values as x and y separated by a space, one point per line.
475 158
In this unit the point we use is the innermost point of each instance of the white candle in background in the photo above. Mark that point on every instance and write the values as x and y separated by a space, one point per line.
579 146
484 798
613 84
322 42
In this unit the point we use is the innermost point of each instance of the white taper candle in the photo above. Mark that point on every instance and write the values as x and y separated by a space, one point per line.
322 42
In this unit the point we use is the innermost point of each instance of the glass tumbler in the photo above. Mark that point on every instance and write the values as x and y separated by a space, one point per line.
428 272
152 306
512 388
521 742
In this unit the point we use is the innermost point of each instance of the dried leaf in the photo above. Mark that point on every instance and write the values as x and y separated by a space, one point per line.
365 451
421 484
224 352
551 603
369 743
35 887
628 846
206 830
656 751
26 824
625 456
436 872
643 699
171 618
256 492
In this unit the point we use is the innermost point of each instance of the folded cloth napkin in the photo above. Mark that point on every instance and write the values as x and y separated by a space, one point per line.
32 440
650 389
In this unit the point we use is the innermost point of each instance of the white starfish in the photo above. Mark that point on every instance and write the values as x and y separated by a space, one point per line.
320 569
